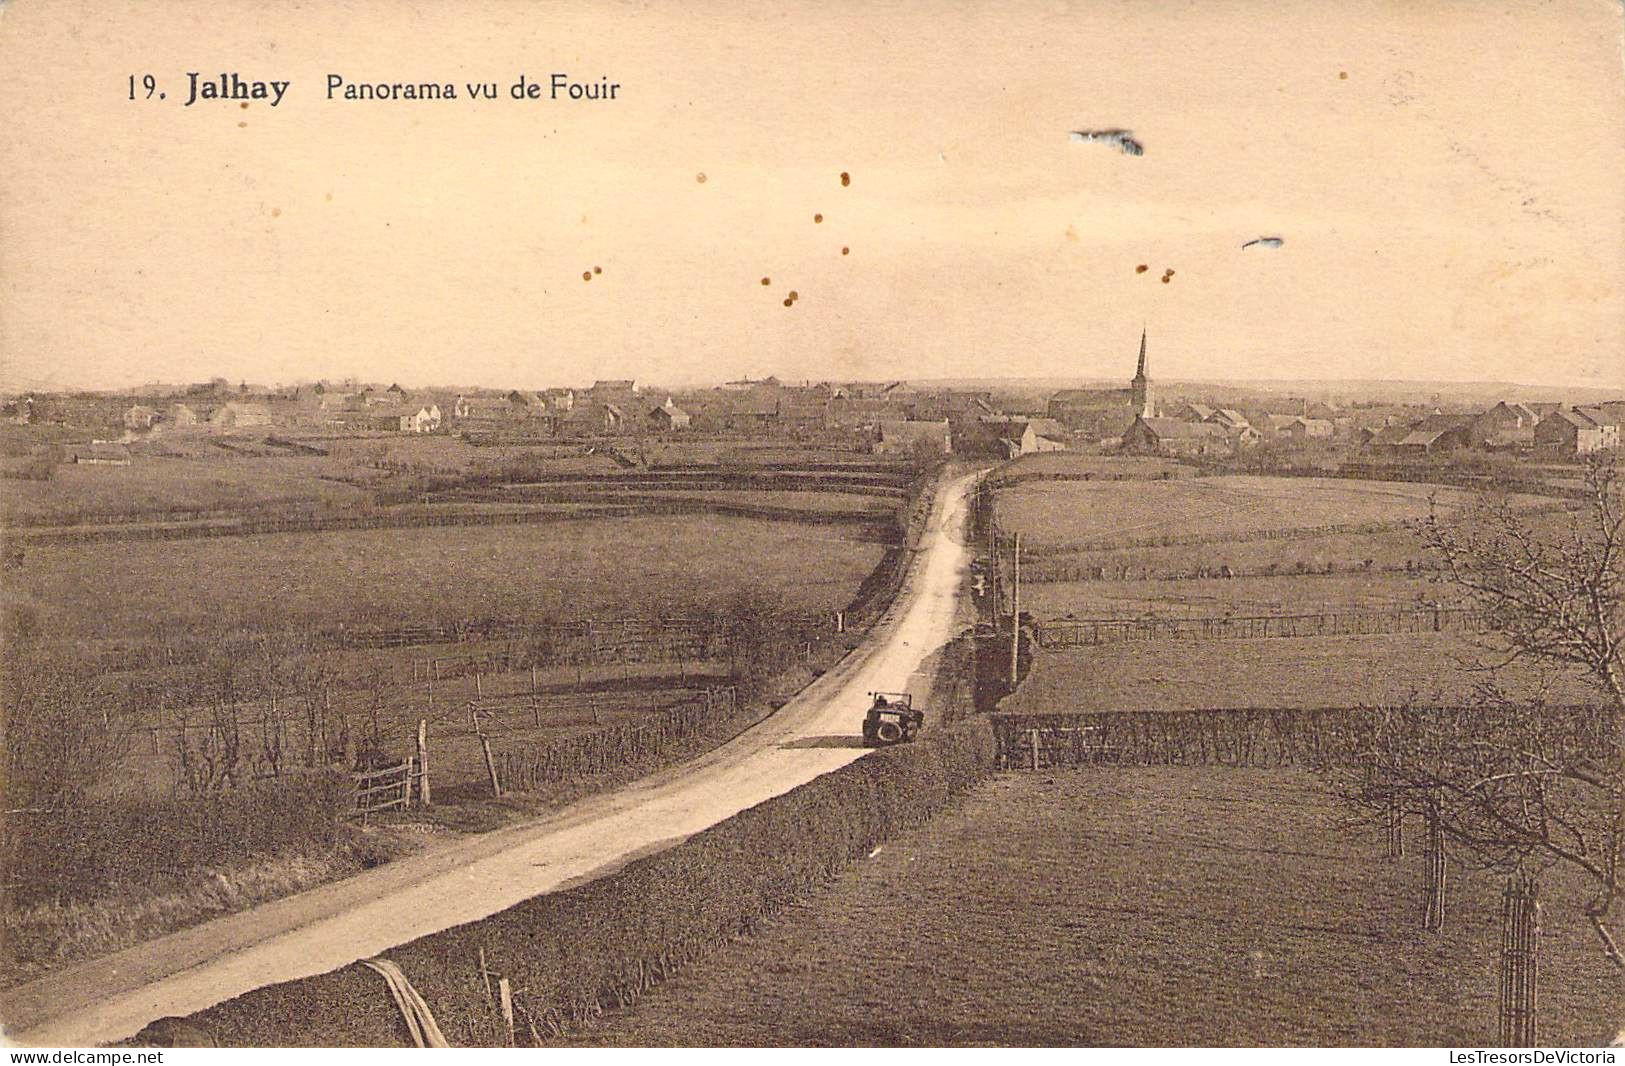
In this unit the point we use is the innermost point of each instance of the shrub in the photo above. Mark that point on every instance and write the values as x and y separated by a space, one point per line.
79 852
575 953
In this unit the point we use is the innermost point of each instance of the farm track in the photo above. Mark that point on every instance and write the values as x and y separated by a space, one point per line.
329 927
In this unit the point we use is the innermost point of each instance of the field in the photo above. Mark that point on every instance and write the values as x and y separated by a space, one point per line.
1061 514
156 484
1144 907
1345 671
606 568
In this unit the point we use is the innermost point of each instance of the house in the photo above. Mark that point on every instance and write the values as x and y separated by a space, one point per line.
486 409
236 415
1574 432
1173 436
140 416
101 453
557 401
1300 428
1503 425
1433 435
1606 415
1194 412
904 437
423 420
954 406
620 392
182 416
757 409
592 418
1231 419
805 407
1012 437
668 417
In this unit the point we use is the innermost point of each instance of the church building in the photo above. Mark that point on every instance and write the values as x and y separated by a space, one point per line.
1101 413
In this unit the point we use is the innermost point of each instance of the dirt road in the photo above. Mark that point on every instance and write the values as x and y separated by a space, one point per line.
329 927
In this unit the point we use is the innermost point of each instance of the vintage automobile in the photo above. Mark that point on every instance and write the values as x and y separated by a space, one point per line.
891 719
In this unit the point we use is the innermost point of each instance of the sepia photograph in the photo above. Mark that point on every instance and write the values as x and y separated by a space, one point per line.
620 524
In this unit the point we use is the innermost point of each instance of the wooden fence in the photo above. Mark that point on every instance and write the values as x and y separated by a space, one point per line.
386 788
1083 632
1249 736
527 767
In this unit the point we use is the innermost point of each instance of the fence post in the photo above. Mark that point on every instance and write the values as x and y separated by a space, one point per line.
505 994
1396 827
1520 951
425 797
1035 747
490 765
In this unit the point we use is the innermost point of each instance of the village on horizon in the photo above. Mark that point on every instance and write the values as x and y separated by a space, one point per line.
1196 420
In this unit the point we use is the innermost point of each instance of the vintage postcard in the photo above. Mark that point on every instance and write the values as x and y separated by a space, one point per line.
617 524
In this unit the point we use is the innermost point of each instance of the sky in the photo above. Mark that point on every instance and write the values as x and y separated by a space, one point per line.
1448 180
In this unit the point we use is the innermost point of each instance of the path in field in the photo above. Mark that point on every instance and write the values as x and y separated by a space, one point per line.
111 998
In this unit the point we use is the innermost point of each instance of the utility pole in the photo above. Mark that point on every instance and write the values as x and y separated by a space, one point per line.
1015 611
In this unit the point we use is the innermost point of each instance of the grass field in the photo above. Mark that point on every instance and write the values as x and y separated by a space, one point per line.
1060 513
156 484
1135 907
1284 672
1343 551
605 568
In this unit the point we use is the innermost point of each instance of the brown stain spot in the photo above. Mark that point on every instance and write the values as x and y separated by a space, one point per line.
276 212
700 177
846 179
818 218
794 295
788 301
845 250
329 197
1141 269
1342 75
244 105
242 125
600 270
1166 279
767 281
1168 273
586 275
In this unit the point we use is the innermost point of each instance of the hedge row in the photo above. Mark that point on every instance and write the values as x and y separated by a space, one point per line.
76 854
526 767
420 520
571 955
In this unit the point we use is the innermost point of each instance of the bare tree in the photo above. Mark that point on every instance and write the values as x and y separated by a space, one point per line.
62 734
1518 779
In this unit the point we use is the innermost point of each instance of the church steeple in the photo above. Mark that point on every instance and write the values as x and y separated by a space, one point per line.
1140 387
